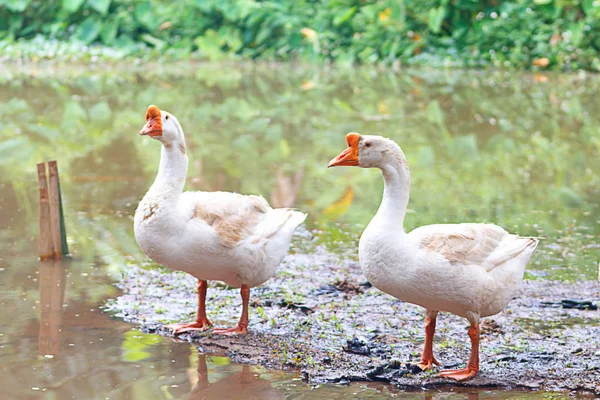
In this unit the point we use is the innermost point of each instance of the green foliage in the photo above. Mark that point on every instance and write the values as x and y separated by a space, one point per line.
560 34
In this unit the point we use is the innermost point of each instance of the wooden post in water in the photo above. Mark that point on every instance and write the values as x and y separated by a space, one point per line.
63 229
46 247
55 208
53 235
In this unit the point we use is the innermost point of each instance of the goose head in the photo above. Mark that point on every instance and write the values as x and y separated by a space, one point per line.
162 125
368 151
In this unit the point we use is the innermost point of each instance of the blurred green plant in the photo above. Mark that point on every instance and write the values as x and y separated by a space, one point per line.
539 34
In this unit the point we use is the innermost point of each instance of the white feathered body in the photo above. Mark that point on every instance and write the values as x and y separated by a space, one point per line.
174 236
221 236
465 269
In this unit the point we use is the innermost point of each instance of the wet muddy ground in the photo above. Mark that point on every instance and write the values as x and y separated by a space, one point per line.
319 315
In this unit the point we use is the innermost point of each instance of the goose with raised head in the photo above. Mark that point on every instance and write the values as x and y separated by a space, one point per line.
471 270
229 237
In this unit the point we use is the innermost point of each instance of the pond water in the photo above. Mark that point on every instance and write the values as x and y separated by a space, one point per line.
519 150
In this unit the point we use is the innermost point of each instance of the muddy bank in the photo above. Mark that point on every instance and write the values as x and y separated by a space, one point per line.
320 316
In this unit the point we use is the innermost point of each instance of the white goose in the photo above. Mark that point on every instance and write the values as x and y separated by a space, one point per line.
237 239
471 270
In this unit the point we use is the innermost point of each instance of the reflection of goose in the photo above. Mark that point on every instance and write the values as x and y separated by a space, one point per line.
52 292
213 236
472 270
245 385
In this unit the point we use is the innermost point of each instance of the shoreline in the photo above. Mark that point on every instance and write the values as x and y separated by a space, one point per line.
335 328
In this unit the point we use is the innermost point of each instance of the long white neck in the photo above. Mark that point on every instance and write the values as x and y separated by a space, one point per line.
395 195
172 171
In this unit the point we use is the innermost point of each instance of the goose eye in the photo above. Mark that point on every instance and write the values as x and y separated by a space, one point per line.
167 117
368 144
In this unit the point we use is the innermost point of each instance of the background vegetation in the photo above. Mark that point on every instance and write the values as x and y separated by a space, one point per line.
558 34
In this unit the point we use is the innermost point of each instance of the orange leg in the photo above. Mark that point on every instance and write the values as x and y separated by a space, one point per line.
473 365
242 326
202 323
427 358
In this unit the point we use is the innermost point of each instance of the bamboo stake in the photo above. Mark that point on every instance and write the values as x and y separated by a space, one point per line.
55 209
46 247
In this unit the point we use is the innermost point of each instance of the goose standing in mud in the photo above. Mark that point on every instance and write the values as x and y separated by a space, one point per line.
471 270
223 236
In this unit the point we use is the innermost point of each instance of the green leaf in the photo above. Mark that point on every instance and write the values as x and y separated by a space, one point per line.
242 9
159 44
576 30
588 7
70 6
398 11
144 15
542 2
109 31
17 5
89 30
408 50
340 19
209 44
435 18
15 22
100 5
124 41
262 35
231 37
204 5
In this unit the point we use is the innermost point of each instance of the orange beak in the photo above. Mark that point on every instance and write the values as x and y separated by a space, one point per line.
348 157
153 125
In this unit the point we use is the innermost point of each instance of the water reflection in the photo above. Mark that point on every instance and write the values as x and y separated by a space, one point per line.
52 292
246 384
468 396
286 188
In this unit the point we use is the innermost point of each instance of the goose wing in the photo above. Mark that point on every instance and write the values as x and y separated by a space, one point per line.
466 244
233 217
